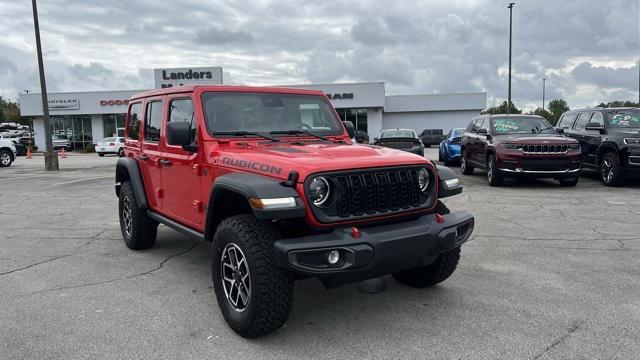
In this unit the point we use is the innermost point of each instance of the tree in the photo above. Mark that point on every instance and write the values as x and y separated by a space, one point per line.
502 109
557 107
619 104
10 112
545 114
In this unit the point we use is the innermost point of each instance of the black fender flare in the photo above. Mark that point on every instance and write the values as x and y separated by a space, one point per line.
449 183
128 169
249 186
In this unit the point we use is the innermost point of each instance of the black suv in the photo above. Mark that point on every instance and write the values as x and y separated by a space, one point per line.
609 139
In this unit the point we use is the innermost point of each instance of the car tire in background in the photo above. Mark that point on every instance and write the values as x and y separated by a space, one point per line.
494 177
121 152
138 229
6 158
610 171
465 168
254 294
101 154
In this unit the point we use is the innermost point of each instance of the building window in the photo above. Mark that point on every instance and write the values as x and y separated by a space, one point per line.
113 125
358 116
75 127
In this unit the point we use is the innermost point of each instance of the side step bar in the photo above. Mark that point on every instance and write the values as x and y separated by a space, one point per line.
175 226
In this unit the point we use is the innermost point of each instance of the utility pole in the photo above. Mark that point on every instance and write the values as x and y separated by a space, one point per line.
50 157
510 26
543 89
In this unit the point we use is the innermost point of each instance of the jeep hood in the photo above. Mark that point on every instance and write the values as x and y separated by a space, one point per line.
278 159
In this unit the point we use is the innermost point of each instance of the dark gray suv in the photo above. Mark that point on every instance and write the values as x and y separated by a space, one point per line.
609 139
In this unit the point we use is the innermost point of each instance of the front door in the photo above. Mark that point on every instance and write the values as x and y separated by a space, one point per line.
181 171
151 153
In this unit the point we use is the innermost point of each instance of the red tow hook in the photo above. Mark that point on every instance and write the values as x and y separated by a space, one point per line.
355 233
440 218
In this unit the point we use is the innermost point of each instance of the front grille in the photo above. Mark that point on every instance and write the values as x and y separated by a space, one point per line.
373 192
545 148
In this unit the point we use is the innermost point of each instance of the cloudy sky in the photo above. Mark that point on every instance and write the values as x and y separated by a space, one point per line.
587 49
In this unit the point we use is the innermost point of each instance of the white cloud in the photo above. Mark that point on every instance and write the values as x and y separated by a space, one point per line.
586 51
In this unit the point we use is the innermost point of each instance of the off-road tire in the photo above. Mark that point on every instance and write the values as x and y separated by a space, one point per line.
610 171
436 272
6 158
569 182
465 167
271 296
494 177
143 229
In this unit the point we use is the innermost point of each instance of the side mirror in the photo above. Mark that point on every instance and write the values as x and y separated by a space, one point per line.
560 130
594 126
482 132
350 130
179 134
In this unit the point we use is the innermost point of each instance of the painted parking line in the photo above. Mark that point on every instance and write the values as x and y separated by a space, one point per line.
85 179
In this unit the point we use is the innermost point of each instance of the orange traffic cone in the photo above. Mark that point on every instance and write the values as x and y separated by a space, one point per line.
64 154
29 152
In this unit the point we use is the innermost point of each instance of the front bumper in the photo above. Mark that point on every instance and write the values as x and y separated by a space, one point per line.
378 251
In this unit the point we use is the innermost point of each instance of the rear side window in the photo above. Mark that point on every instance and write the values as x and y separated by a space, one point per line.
182 110
133 126
153 119
583 119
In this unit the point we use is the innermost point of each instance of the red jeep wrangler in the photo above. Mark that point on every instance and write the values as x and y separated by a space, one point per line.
271 178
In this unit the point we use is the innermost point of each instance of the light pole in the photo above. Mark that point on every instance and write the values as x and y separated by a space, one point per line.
543 89
50 157
510 25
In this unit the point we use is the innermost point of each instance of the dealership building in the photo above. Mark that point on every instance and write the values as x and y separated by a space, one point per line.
88 117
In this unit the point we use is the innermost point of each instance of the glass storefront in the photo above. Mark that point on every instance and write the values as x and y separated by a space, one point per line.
113 125
77 128
357 116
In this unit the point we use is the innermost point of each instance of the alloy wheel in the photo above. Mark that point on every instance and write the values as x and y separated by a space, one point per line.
607 170
235 277
490 170
126 215
463 162
5 159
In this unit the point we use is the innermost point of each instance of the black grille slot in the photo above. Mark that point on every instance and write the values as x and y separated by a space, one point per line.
369 193
382 204
343 199
394 190
357 198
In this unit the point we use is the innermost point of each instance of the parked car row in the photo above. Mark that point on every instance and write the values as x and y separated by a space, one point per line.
509 146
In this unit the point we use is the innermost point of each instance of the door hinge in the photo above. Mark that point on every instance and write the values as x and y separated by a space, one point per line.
197 169
160 193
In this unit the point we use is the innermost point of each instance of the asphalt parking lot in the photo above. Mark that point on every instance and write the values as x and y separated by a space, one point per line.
550 273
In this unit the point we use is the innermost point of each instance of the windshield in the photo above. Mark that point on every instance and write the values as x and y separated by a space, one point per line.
521 125
398 133
60 137
629 118
456 133
266 112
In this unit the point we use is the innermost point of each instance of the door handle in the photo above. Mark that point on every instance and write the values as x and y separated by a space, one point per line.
166 163
143 157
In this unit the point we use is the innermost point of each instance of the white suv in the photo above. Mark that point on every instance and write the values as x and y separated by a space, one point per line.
7 152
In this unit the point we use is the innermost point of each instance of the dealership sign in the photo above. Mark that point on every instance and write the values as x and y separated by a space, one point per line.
64 104
170 77
343 96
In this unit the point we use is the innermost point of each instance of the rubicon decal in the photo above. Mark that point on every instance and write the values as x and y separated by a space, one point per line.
251 165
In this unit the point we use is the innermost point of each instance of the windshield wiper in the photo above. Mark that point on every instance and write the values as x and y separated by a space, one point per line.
244 133
299 132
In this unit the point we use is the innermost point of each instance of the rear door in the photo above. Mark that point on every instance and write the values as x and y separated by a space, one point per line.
151 152
132 138
181 171
593 139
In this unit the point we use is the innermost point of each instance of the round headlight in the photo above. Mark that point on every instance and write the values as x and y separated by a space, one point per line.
423 179
319 191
